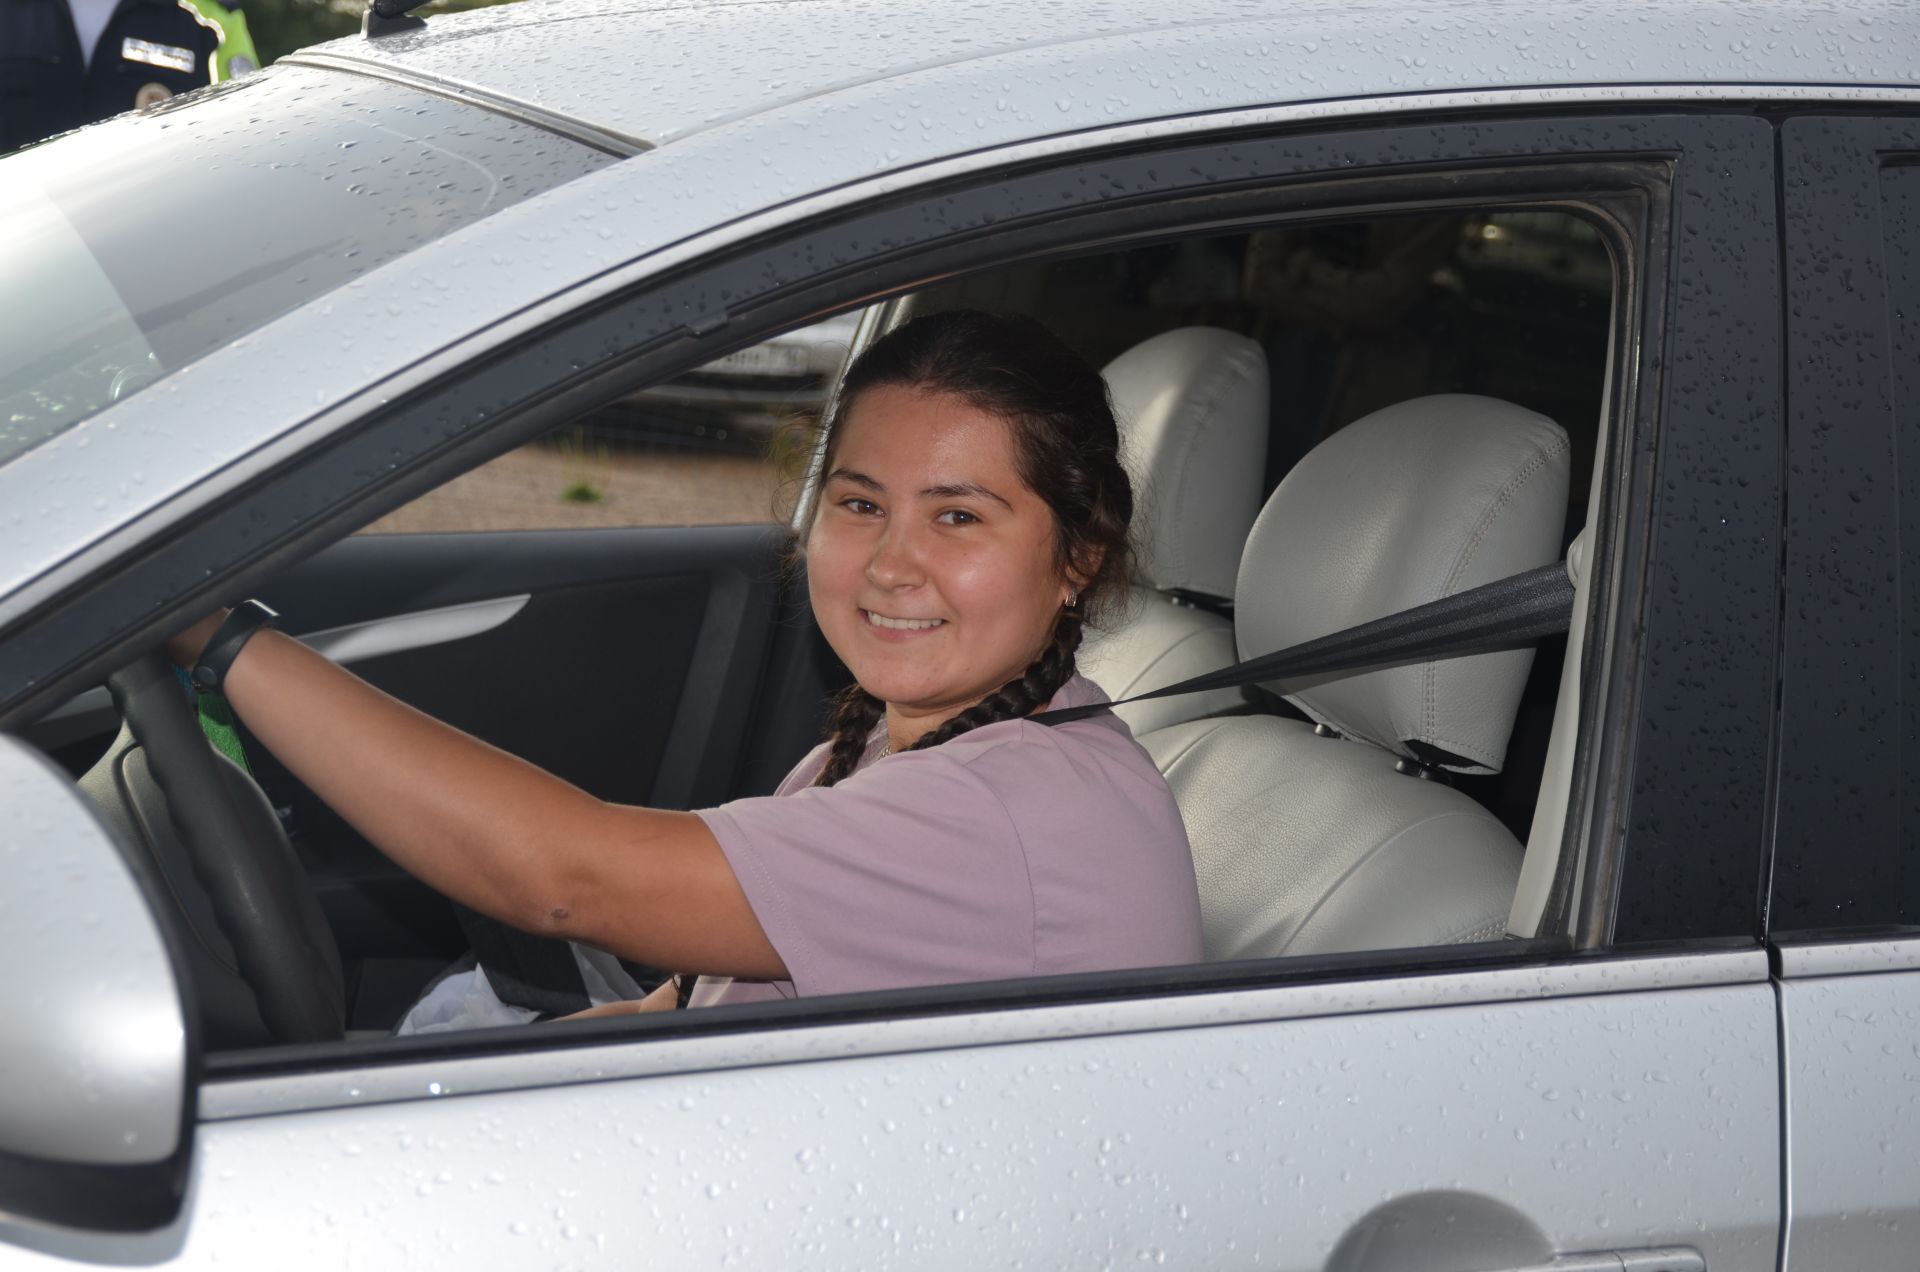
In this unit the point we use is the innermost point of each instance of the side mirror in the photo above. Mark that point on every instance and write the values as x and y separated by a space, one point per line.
96 1099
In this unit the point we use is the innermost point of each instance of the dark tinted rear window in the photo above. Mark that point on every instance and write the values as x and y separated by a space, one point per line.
1847 847
132 248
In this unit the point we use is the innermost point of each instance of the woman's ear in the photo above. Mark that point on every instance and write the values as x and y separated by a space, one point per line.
1081 571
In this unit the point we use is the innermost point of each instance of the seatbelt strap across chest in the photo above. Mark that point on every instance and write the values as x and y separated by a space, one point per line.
1504 614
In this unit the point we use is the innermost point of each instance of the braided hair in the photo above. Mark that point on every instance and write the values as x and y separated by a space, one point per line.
1068 453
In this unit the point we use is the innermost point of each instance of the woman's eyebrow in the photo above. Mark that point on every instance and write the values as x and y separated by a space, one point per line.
858 478
963 490
949 490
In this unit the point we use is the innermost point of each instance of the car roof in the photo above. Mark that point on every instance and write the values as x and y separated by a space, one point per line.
659 70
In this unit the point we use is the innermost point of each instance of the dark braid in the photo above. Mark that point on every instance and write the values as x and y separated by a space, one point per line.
1022 697
1067 451
855 712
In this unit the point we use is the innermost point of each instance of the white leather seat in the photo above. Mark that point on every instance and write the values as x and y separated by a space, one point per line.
1192 406
1305 843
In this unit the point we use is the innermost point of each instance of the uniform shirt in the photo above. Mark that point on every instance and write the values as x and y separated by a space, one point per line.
90 18
1017 849
144 52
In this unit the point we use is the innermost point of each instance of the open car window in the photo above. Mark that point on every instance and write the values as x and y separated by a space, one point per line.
722 444
1342 317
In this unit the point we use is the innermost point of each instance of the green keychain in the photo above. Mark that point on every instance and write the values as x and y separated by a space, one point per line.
217 722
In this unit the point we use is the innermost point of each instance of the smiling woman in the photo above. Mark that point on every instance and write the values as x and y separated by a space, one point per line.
934 591
974 511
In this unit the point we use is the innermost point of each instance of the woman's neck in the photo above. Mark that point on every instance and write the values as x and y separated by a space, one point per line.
907 725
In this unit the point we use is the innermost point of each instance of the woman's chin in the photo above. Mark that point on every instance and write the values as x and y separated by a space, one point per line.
909 688
894 691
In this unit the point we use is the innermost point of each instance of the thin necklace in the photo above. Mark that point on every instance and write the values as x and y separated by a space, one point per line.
886 747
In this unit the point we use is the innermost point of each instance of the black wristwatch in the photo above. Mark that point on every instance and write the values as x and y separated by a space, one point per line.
247 618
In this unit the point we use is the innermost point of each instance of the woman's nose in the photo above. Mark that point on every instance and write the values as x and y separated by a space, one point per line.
895 561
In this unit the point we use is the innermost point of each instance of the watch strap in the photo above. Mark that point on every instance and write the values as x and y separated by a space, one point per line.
248 617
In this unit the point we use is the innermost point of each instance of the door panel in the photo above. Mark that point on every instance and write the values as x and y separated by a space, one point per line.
1851 1044
633 668
1483 1137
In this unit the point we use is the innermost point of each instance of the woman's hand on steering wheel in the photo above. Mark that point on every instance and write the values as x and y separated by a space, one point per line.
261 897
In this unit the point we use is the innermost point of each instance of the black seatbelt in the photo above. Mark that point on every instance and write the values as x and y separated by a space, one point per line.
538 972
1504 614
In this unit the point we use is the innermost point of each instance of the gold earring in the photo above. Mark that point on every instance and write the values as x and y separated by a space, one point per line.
1073 597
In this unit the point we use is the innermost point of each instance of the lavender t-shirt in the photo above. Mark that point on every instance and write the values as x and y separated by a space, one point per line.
1018 849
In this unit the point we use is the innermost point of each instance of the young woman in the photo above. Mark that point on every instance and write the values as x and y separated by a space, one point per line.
972 516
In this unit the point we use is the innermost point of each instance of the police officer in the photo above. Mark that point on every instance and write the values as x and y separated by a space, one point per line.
64 63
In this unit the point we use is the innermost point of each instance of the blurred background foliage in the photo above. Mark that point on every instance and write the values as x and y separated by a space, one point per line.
281 26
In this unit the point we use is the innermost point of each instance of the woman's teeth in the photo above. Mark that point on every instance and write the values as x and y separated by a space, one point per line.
903 624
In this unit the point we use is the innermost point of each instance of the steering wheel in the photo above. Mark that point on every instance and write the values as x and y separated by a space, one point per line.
260 896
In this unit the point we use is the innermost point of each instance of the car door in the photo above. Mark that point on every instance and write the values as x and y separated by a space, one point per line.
1845 910
1607 1091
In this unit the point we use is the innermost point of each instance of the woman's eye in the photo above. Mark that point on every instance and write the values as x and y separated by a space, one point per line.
958 517
859 507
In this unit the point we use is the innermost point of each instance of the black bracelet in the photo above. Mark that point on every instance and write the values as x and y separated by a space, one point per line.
211 667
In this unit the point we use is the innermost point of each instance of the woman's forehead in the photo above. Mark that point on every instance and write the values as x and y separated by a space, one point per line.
900 435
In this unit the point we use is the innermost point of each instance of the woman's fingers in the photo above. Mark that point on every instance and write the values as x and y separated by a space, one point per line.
665 998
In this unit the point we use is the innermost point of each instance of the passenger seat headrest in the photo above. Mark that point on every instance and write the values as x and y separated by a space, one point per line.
1192 407
1410 504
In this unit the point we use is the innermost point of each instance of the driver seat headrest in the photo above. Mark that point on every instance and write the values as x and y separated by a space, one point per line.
1192 408
1407 505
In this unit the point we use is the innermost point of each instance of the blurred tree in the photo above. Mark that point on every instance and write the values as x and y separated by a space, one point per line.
281 26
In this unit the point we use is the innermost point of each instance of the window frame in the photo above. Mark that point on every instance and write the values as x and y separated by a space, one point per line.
1105 194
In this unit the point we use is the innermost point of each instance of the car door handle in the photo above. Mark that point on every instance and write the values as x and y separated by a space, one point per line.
1664 1259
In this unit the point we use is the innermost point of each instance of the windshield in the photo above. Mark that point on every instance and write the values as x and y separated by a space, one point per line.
130 249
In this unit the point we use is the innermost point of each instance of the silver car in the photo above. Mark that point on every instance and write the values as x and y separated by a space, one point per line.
1601 954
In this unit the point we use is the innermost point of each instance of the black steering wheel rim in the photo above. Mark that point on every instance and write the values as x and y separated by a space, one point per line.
260 894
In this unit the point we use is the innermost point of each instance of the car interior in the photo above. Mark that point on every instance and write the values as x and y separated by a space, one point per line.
1328 421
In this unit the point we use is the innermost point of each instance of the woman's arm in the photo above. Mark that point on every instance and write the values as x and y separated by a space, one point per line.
490 830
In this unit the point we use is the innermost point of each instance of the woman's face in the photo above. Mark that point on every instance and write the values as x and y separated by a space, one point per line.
930 563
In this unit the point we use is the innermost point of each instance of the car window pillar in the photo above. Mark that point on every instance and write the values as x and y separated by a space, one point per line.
1844 911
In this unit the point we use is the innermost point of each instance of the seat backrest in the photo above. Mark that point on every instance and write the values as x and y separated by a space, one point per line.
1313 841
1192 407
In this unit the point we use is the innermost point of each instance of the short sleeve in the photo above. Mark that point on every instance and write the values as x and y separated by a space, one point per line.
910 872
